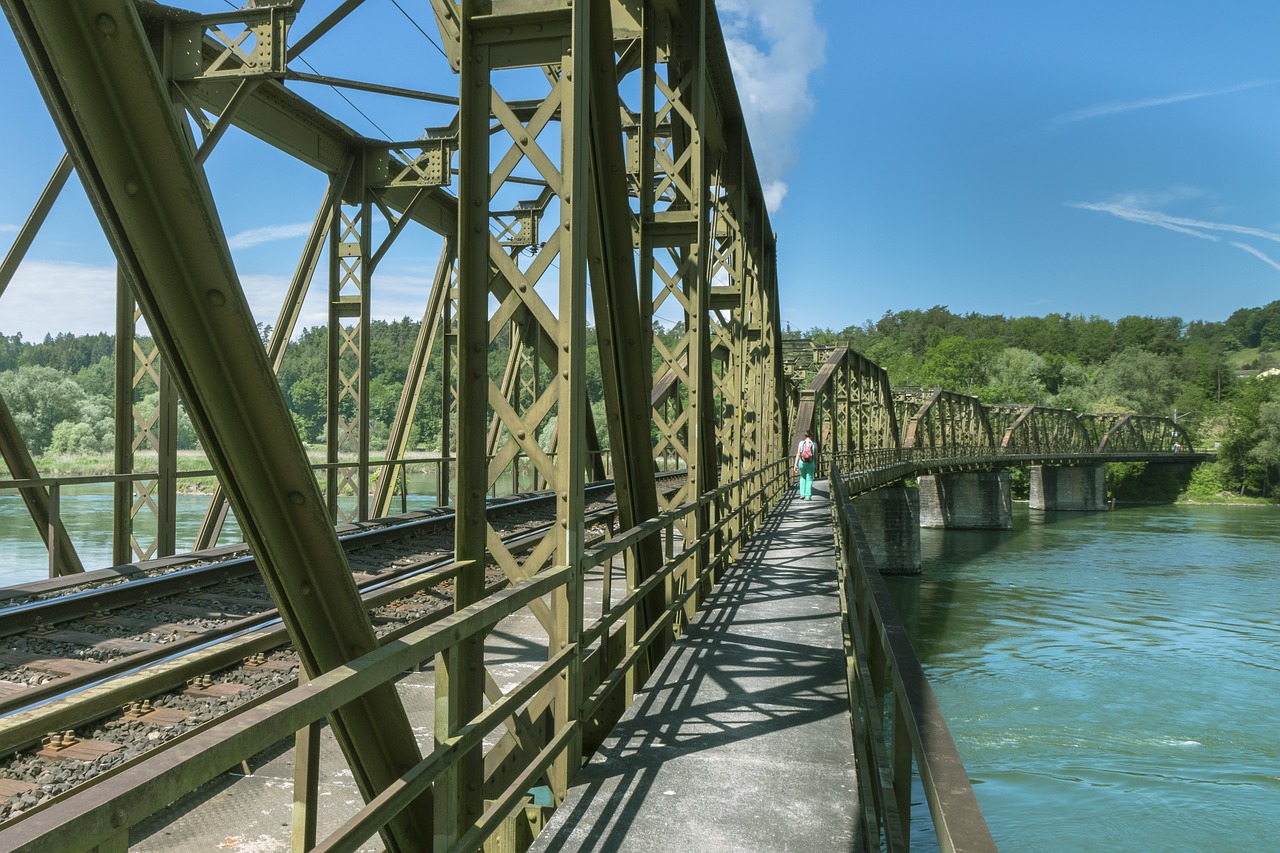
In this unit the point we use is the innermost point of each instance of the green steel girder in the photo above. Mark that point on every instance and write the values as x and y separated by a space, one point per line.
1039 429
616 302
283 329
845 379
945 419
94 67
1144 434
289 123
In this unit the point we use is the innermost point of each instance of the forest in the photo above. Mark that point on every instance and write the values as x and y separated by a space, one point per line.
1219 380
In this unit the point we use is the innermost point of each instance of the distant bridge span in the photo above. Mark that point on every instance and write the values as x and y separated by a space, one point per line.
881 434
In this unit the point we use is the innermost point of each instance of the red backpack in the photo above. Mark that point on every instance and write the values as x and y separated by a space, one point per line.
806 450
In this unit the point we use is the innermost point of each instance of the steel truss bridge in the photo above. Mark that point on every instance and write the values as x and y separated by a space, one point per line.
574 167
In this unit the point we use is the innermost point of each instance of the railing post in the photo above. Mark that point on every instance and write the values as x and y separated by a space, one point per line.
306 781
55 513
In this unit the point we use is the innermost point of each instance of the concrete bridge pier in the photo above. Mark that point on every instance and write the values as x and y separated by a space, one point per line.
966 501
1081 488
890 519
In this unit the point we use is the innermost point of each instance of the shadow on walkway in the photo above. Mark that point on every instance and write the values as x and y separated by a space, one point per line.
741 740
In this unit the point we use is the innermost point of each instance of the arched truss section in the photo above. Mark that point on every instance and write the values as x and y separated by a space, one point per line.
1142 434
847 404
943 420
1038 429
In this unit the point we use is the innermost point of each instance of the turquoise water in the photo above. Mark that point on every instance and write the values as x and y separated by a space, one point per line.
1111 679
86 513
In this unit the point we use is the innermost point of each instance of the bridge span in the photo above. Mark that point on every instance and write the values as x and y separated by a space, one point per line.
604 306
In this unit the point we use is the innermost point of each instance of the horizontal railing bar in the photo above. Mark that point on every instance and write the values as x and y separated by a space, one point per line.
379 811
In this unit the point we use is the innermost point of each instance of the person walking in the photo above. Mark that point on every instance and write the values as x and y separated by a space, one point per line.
806 464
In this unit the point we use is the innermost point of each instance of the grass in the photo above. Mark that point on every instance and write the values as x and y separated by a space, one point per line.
1238 359
53 465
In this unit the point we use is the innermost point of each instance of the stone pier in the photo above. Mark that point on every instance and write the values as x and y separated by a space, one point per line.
1082 488
968 501
890 519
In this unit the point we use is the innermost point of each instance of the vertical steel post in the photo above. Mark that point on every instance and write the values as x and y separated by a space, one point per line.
571 406
306 780
122 514
460 670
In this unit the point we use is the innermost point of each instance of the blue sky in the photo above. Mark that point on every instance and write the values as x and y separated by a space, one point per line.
999 157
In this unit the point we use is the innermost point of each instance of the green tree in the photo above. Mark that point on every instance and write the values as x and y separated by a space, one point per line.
1015 375
959 364
1140 380
40 398
1242 469
1265 449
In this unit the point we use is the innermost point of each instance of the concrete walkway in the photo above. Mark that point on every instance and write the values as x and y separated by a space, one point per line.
741 740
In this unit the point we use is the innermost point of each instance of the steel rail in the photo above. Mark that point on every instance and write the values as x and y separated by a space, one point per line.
77 605
173 663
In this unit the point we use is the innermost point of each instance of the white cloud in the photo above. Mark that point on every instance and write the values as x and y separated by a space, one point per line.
1117 107
1183 225
774 49
10 228
1264 258
1144 217
55 296
268 234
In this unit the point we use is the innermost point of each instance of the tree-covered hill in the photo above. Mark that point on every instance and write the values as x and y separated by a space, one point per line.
1212 376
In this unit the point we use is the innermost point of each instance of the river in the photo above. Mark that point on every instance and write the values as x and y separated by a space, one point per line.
86 512
1111 679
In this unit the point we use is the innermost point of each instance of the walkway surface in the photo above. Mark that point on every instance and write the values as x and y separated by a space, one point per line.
741 739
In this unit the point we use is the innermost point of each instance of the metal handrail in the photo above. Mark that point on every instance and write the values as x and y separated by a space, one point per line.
886 682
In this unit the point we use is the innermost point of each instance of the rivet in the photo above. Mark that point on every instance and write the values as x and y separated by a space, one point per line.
216 298
131 186
106 25
297 497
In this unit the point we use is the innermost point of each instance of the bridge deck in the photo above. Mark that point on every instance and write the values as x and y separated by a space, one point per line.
741 739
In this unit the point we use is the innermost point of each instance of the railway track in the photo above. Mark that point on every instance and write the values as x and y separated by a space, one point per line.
102 672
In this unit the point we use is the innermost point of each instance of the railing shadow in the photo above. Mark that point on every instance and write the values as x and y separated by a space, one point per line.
754 665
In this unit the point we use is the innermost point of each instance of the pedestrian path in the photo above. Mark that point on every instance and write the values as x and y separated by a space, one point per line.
741 740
